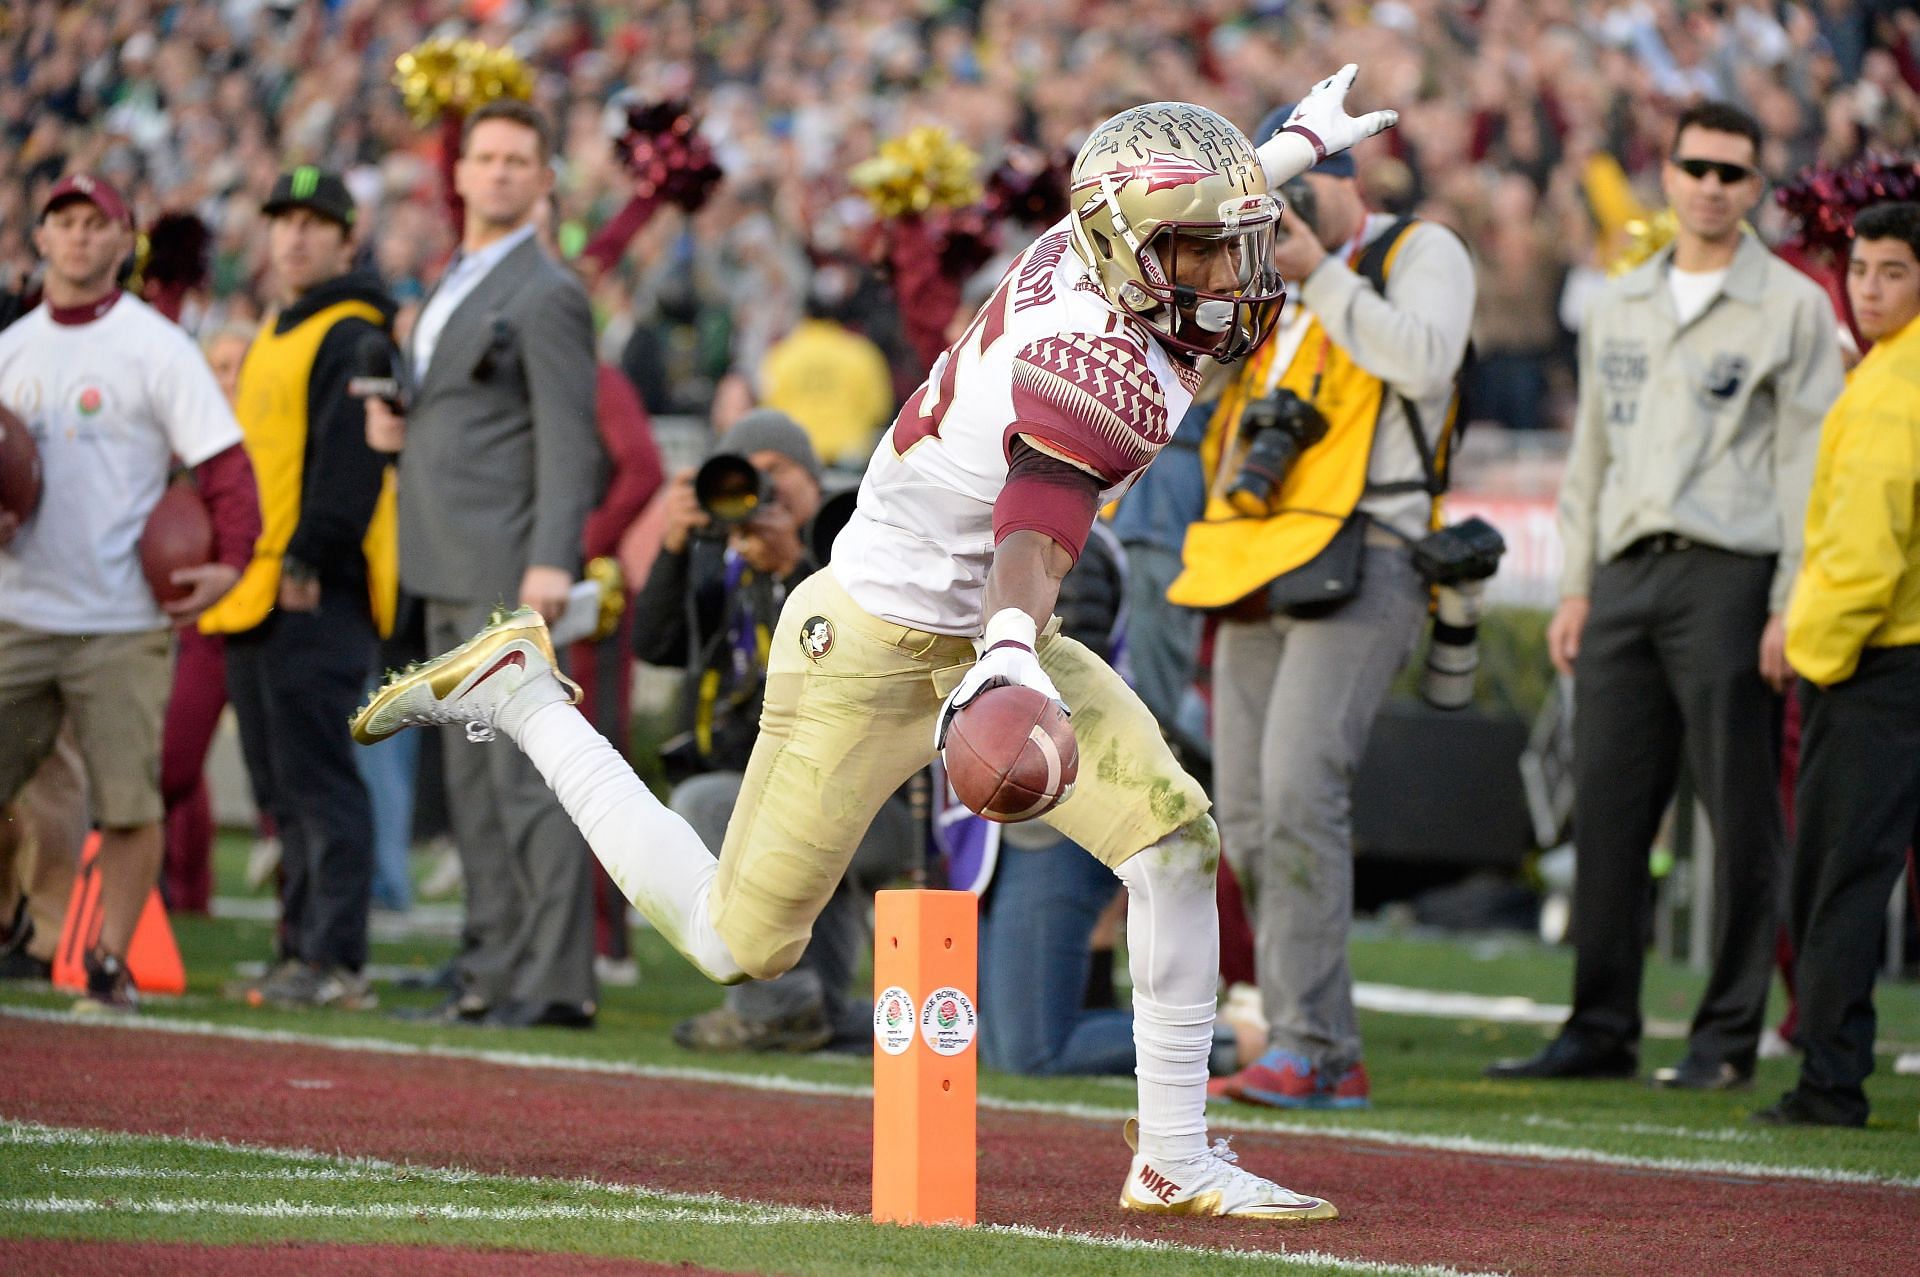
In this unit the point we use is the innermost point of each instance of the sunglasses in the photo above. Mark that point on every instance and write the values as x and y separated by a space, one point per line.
1729 174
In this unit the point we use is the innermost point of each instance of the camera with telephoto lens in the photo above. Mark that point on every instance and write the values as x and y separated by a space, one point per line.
1456 561
732 490
1278 428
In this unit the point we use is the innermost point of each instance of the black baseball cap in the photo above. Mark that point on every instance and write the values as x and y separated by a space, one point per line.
311 188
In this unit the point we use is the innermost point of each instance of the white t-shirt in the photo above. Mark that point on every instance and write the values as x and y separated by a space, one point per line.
1046 353
107 402
1693 290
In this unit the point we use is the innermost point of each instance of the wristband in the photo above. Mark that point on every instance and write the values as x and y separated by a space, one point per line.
1009 626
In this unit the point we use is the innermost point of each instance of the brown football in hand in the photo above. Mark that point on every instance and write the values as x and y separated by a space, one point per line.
1010 754
19 468
178 535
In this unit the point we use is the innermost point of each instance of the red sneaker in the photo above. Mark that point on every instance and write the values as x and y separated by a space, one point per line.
1285 1079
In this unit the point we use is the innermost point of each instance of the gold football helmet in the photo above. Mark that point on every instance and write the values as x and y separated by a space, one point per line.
1156 175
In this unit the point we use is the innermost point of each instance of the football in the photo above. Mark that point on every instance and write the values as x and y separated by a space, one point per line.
178 535
1011 755
19 468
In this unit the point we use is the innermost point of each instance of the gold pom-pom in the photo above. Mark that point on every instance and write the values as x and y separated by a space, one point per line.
924 169
1645 237
442 75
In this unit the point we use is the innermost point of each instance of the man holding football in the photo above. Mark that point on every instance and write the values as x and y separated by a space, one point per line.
942 587
111 390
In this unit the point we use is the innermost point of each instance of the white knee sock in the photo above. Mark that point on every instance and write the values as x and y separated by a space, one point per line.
1173 945
653 855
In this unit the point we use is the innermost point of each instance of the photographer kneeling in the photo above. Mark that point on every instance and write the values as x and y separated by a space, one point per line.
740 534
1325 455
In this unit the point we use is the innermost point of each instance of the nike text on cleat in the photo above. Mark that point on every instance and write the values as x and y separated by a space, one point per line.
470 684
1214 1184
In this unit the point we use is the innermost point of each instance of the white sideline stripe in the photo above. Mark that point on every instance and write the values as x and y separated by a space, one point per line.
688 1207
781 1084
1396 999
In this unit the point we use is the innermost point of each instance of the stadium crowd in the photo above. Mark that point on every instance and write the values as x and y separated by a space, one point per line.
1537 132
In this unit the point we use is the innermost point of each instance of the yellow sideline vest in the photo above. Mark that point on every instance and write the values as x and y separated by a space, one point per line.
1229 556
272 408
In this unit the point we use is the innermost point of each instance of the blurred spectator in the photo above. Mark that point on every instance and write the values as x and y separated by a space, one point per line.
194 706
709 606
1321 452
1853 635
82 638
832 381
1703 377
301 624
503 463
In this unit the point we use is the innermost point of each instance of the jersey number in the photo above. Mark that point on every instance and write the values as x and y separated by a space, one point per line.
921 415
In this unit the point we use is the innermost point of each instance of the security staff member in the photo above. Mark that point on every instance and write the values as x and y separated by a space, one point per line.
1853 635
1369 357
1703 377
322 581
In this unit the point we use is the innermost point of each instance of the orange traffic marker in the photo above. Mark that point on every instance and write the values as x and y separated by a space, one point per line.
925 976
153 959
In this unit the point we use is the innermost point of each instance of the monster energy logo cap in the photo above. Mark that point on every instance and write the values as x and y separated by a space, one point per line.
311 188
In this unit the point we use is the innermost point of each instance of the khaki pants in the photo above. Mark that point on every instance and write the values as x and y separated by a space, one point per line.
111 691
849 716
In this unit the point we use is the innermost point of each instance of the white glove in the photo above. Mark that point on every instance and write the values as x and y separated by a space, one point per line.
1319 127
1006 658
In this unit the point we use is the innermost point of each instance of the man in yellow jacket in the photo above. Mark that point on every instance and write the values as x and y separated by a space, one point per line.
1853 635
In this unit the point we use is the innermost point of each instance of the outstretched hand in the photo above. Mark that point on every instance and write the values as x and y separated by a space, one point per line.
1321 117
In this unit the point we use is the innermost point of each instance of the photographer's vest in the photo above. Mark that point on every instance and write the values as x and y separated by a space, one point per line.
1229 556
272 408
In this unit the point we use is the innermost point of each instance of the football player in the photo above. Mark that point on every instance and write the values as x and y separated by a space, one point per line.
942 585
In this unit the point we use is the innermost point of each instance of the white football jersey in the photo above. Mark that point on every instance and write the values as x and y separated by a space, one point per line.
1046 359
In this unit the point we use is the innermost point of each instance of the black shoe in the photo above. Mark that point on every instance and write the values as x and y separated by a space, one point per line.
18 964
539 1015
1797 1108
462 1008
1568 1056
110 985
1693 1074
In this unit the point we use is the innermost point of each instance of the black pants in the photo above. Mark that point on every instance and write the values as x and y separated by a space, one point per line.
295 681
1670 659
1858 802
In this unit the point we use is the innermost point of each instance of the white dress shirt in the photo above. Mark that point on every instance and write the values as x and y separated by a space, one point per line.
463 276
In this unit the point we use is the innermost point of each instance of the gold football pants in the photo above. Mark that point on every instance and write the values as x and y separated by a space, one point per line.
849 716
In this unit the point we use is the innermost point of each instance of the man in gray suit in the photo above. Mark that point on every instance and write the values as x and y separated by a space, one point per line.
503 462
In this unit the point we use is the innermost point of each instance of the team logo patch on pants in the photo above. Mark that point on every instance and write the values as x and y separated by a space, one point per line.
816 637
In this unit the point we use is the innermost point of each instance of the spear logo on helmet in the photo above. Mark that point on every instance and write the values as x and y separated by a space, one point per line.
1162 172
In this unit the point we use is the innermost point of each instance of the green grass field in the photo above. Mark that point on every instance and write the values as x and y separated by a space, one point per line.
1427 1092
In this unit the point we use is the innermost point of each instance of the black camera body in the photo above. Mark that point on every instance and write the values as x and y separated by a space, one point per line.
1279 427
1297 194
1468 551
731 490
1456 560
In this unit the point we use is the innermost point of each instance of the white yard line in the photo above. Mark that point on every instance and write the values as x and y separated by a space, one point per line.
1219 1120
669 1208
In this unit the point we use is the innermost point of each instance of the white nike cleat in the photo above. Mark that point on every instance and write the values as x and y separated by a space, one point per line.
473 683
1213 1184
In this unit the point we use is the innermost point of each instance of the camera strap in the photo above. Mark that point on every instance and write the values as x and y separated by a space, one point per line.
1372 267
